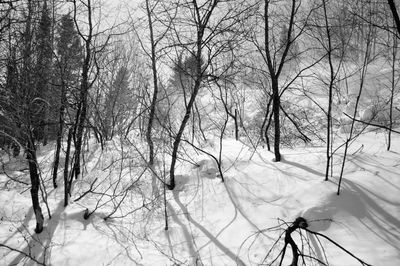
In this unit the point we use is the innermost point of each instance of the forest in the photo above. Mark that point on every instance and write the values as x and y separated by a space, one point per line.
199 132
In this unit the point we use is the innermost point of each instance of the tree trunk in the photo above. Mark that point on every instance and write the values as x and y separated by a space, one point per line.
201 26
395 14
66 166
393 87
331 81
84 90
59 134
275 69
35 183
275 108
178 137
362 80
236 125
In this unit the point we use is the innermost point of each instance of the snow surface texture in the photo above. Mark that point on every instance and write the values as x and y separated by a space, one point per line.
215 223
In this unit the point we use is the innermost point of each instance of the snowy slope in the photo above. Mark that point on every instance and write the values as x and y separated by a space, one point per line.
215 223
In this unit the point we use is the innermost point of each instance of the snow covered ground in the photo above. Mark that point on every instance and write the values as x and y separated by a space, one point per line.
214 223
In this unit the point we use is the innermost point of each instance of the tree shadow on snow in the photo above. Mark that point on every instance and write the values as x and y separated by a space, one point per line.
303 167
39 245
361 204
207 233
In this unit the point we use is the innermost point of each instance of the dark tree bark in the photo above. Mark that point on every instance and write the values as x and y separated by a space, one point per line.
35 183
265 126
178 137
67 189
275 109
395 14
59 134
275 70
236 125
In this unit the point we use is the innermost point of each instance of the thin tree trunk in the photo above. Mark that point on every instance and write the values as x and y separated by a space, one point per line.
394 53
30 139
236 125
46 124
264 130
66 166
84 90
35 184
363 74
59 135
275 109
199 119
202 23
165 206
155 84
178 137
275 69
331 81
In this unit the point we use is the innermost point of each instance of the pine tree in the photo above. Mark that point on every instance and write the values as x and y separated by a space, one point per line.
43 73
69 51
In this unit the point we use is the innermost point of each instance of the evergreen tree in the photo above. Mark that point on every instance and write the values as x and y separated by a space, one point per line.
69 51
43 73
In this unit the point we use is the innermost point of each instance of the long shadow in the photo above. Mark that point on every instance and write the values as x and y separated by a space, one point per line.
236 205
116 233
188 237
379 217
303 167
23 225
217 243
361 162
370 162
39 244
358 203
248 190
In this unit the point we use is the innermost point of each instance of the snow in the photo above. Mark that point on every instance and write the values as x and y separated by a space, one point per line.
220 223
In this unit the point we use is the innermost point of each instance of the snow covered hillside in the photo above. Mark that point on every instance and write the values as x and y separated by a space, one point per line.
236 222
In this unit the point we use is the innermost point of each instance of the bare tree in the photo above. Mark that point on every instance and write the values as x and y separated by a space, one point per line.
275 69
363 72
201 17
85 83
277 54
201 33
153 57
